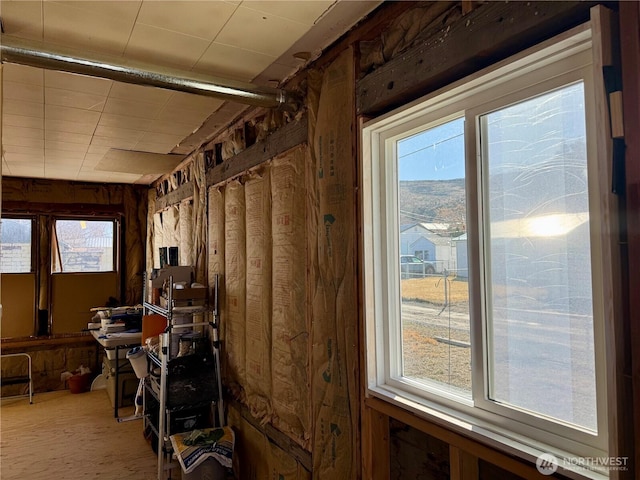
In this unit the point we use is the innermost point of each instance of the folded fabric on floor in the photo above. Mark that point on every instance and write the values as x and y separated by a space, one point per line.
193 448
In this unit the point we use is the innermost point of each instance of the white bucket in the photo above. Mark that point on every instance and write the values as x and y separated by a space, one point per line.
138 359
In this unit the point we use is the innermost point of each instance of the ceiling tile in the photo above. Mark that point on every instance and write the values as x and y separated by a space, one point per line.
73 99
62 161
77 83
22 121
91 26
123 121
262 27
91 160
138 162
195 18
182 115
68 137
275 71
24 159
97 149
61 155
112 142
164 47
182 129
22 91
153 147
118 106
36 151
10 133
22 18
235 63
161 138
68 114
121 133
22 142
199 103
20 107
12 72
306 12
29 171
139 93
66 147
71 127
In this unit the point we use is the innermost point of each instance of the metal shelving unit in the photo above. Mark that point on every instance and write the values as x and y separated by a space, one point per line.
166 412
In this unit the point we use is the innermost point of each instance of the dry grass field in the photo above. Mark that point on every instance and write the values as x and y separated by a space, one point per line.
425 355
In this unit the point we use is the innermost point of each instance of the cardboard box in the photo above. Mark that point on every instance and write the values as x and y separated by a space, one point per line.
180 274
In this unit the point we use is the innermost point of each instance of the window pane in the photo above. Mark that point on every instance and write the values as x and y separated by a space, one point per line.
540 312
16 245
433 261
83 246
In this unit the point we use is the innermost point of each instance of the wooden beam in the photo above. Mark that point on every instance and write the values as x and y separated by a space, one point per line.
472 447
283 139
463 466
274 435
630 53
375 445
181 193
491 32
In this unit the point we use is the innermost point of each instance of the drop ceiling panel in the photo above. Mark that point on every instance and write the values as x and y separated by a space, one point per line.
262 27
305 12
88 28
10 132
22 121
164 47
65 146
27 171
68 114
118 106
199 103
26 159
171 128
123 121
19 107
63 156
22 141
118 133
35 151
73 99
142 163
113 142
194 18
76 83
86 128
227 61
22 91
22 74
26 18
140 93
67 137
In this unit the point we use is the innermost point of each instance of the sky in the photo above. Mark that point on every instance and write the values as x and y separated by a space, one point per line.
437 154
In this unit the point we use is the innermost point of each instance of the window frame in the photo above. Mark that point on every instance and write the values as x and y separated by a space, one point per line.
553 62
34 226
115 219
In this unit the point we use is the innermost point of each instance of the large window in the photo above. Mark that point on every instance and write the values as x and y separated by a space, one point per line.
16 240
493 182
83 246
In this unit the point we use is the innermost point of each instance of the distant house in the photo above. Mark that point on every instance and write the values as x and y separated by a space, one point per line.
419 240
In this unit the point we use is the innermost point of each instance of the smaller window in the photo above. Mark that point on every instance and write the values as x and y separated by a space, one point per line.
16 245
83 246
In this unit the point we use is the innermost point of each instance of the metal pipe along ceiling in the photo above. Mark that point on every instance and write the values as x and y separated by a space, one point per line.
33 54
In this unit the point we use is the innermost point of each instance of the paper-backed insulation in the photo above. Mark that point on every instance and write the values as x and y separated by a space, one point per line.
171 227
158 238
135 218
332 231
235 285
290 331
257 387
185 227
255 457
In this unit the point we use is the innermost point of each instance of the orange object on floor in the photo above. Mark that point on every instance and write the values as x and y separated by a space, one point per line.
152 326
